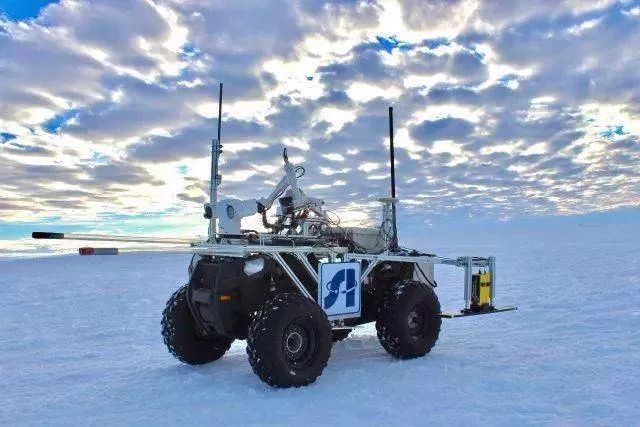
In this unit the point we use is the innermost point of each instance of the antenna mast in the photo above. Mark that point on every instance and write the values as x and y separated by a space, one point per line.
216 150
394 241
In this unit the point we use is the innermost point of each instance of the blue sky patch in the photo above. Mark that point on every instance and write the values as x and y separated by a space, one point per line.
20 10
53 124
189 50
389 43
476 53
612 131
437 42
99 158
6 136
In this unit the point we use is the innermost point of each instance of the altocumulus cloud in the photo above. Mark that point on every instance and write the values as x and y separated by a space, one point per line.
503 109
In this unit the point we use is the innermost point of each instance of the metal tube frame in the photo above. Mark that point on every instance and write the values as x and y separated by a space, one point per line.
292 275
369 269
307 265
492 272
333 253
468 272
130 239
468 263
214 183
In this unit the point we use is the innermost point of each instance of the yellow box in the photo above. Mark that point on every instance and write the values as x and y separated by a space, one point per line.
484 296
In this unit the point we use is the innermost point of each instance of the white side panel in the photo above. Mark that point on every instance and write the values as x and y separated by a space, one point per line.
339 290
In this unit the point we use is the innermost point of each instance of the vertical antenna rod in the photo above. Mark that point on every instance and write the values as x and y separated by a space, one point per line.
219 112
216 150
394 240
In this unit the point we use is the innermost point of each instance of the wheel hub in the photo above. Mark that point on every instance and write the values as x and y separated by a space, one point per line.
294 342
416 320
299 344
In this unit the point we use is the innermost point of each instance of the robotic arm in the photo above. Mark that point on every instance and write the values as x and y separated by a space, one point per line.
300 200
231 211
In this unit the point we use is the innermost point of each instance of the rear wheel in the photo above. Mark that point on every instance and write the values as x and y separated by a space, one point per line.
188 342
408 324
289 341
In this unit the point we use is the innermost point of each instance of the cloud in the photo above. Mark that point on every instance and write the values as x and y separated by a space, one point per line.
446 128
119 173
502 111
440 17
193 141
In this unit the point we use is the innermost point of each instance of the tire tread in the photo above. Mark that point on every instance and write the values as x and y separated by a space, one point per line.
181 337
262 342
391 323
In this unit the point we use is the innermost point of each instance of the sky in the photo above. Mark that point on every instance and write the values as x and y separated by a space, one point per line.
505 112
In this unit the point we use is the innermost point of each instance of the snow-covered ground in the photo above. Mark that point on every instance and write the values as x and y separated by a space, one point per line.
80 344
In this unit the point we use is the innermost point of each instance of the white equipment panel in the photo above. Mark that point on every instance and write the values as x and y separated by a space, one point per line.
339 289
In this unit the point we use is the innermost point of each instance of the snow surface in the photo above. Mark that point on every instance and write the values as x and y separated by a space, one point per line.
80 344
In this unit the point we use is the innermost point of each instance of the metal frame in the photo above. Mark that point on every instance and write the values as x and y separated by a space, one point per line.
243 250
296 280
468 263
275 252
238 248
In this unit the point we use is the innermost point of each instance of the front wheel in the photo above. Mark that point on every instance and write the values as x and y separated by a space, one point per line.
408 324
184 339
289 341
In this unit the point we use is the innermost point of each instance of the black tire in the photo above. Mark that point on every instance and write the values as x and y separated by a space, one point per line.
408 324
184 339
339 334
289 341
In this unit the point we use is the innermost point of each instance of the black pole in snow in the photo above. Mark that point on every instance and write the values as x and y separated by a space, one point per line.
394 240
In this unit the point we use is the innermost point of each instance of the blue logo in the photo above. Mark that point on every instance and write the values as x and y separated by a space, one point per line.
348 277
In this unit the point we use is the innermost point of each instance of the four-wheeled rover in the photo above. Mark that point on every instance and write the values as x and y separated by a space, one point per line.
307 282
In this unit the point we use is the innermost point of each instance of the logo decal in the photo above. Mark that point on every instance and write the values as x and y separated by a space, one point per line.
339 290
